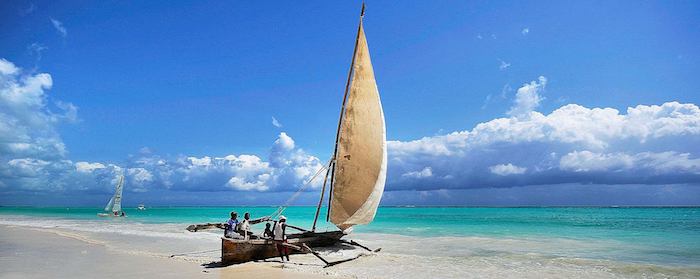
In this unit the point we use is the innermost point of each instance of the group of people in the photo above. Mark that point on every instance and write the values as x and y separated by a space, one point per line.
241 230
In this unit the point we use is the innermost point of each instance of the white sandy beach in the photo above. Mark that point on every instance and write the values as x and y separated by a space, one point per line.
37 253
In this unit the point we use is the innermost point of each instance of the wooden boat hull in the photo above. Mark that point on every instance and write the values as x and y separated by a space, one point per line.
239 251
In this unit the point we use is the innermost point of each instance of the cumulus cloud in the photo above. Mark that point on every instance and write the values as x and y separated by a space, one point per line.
286 169
88 167
525 31
27 123
7 67
649 144
59 27
528 97
508 169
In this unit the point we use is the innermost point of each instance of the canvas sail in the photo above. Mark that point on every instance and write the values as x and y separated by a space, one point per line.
361 156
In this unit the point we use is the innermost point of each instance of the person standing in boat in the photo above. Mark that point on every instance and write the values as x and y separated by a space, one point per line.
231 226
278 234
244 226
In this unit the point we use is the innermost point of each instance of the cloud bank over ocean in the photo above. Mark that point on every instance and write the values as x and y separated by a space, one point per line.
643 145
655 144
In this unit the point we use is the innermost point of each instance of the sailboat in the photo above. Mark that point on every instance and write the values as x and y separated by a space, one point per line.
114 206
357 169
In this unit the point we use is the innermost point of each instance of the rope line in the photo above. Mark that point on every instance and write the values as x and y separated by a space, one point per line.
191 253
298 192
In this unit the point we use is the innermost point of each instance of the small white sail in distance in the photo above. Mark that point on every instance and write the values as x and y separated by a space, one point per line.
115 203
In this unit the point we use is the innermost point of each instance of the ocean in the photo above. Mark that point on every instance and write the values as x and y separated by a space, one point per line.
438 242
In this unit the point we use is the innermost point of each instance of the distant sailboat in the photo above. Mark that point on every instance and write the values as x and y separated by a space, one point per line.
357 169
114 206
141 207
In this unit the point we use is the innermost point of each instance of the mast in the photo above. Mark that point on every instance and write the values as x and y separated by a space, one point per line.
320 201
331 166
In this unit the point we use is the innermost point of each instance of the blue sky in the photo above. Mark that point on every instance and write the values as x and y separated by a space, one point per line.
486 103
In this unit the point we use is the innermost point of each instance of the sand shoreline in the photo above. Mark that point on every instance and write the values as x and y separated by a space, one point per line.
62 248
42 253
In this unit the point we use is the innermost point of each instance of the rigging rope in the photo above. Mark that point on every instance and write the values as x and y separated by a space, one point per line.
192 253
298 192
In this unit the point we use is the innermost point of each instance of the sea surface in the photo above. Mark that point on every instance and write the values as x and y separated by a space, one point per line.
439 242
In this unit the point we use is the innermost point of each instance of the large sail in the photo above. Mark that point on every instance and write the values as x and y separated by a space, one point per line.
118 196
361 157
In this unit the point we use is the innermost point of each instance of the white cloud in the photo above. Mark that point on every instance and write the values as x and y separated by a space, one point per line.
426 172
528 97
88 167
504 65
27 167
258 184
287 169
7 67
658 163
200 162
508 169
138 179
59 27
284 142
649 144
276 123
27 124
525 31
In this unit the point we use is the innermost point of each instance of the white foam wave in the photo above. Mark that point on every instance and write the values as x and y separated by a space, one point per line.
109 226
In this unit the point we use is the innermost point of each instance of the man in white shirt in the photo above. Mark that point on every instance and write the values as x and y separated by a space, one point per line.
280 237
244 226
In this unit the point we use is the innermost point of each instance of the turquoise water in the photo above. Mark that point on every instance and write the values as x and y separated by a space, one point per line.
656 235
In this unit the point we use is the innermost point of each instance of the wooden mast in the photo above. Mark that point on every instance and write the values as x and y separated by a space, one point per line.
320 201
